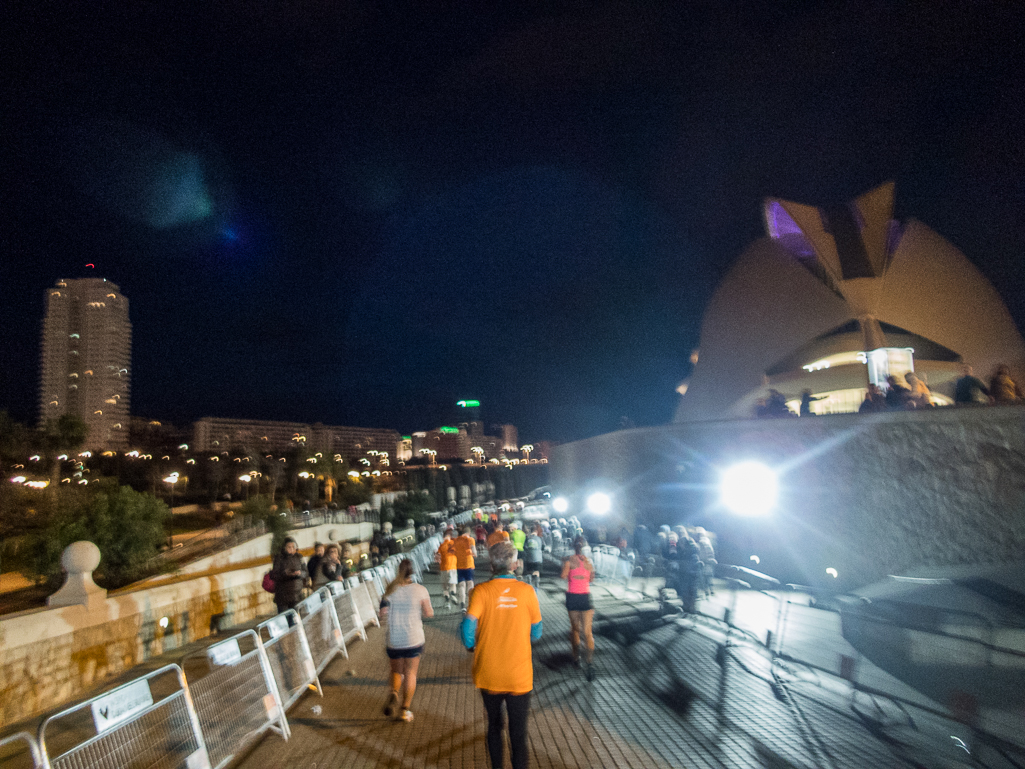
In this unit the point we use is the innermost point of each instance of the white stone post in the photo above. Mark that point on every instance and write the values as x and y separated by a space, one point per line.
79 560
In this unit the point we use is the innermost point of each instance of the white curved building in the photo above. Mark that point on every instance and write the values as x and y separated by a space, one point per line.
832 300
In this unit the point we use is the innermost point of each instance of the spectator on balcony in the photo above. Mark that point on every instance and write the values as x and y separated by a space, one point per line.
897 395
1002 389
969 390
920 397
874 400
806 400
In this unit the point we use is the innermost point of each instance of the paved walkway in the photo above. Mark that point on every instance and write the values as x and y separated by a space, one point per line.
664 696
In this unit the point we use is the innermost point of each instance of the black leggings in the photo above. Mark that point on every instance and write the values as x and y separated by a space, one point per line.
518 707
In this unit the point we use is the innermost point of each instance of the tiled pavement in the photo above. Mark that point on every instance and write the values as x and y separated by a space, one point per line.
663 697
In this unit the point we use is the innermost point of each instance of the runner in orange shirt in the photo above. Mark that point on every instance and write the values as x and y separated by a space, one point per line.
466 550
503 620
446 558
498 535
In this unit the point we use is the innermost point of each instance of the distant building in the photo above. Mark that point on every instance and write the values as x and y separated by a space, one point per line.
86 359
510 439
152 436
834 299
214 434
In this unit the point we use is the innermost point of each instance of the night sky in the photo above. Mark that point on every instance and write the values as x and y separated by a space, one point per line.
360 212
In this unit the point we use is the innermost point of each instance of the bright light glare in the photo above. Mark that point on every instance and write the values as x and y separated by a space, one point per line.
560 504
832 572
599 503
749 489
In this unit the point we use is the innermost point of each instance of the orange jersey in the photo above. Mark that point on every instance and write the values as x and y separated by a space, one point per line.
505 609
465 547
447 555
496 537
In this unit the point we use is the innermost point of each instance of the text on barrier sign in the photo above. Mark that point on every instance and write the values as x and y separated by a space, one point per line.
225 653
278 626
121 704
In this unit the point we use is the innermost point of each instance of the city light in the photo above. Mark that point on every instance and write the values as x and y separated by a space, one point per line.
560 504
599 503
749 489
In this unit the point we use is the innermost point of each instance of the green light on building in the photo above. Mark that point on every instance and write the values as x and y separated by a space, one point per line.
468 404
449 430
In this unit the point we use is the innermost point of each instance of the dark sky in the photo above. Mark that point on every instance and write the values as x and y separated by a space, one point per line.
360 212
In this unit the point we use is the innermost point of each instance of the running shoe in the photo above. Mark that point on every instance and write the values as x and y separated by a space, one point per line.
391 705
589 671
407 715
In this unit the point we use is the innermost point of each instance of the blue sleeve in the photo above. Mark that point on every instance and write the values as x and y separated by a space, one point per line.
468 630
535 632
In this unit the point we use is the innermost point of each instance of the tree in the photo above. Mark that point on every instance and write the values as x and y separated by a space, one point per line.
127 526
63 435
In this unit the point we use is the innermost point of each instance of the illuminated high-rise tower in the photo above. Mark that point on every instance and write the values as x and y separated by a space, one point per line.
86 359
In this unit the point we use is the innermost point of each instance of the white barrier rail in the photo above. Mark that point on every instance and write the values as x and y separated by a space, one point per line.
20 751
349 620
235 695
288 651
149 722
364 605
323 633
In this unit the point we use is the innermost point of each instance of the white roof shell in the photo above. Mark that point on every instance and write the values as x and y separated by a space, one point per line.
770 304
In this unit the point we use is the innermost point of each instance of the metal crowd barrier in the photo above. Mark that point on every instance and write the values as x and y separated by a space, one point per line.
235 696
349 620
288 651
365 605
149 722
237 689
20 750
320 624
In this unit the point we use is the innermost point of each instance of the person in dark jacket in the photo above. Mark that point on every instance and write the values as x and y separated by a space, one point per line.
289 575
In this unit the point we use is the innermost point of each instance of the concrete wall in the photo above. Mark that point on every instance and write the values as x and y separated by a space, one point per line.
868 495
49 656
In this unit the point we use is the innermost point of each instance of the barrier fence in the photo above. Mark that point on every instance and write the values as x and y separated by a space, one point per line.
148 722
235 696
20 750
204 711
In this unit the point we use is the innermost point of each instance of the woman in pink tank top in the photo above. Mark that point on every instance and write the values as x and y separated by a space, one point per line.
579 571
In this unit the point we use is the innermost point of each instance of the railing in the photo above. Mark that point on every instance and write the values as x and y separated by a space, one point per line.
797 627
206 711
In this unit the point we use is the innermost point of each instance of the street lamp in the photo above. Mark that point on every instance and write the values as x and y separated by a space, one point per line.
172 479
479 452
246 479
749 489
431 453
599 503
526 449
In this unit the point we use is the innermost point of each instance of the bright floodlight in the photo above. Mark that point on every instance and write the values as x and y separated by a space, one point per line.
749 489
599 503
560 504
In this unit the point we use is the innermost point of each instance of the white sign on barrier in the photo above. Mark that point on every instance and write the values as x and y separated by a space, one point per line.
271 706
225 653
121 704
278 626
314 602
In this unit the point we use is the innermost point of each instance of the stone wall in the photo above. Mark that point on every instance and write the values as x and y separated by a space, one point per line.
49 656
867 495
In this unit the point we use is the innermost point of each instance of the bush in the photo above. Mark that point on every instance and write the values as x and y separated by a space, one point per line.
127 526
261 509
